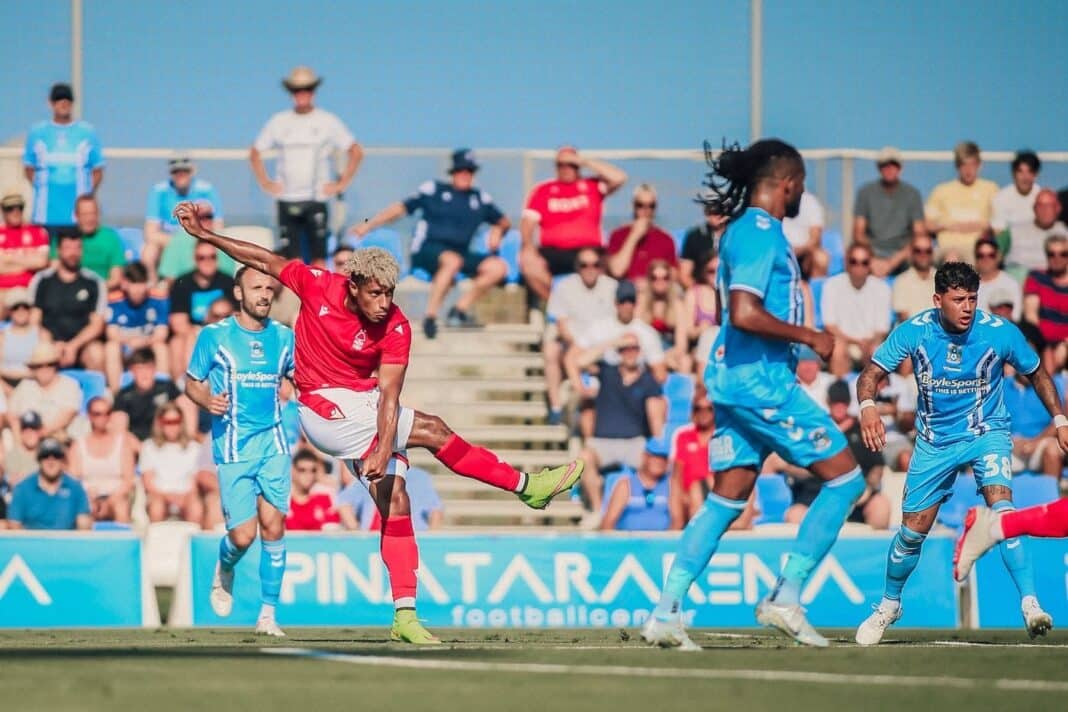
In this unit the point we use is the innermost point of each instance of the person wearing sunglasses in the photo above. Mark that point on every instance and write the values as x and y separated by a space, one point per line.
701 242
997 287
50 499
169 463
856 311
23 247
912 290
103 461
566 213
191 297
1046 298
631 248
160 225
1023 243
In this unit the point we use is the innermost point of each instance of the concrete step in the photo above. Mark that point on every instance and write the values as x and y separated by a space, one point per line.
507 362
491 336
553 434
515 510
444 386
479 410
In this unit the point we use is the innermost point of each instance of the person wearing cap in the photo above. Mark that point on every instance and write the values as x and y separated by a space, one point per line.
136 318
20 459
887 213
1014 204
50 499
997 288
70 302
639 500
62 160
1023 243
103 253
632 248
958 211
54 396
450 214
23 247
18 337
566 212
912 290
701 242
306 138
160 223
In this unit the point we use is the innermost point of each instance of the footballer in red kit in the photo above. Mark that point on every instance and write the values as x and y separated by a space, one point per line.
347 329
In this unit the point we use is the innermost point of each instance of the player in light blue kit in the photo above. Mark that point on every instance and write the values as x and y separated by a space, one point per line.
760 408
234 373
958 353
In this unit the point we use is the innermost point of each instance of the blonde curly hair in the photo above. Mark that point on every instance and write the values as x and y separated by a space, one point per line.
373 264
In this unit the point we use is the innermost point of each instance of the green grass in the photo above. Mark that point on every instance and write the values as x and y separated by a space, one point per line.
166 670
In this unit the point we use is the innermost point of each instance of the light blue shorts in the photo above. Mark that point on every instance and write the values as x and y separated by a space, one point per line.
240 483
933 468
798 430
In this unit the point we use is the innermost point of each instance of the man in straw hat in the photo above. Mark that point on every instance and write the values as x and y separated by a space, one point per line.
55 397
306 137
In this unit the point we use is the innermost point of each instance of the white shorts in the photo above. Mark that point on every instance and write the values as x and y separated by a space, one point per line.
352 436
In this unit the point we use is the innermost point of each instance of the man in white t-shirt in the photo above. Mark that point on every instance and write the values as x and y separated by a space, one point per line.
996 286
1027 241
625 320
1014 204
813 380
804 231
856 311
307 138
913 288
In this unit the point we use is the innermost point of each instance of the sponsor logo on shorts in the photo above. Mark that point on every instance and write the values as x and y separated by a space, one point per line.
721 447
819 438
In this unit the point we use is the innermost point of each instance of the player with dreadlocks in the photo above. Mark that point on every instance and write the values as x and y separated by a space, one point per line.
760 408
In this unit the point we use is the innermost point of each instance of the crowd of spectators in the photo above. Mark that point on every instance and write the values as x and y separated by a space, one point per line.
95 341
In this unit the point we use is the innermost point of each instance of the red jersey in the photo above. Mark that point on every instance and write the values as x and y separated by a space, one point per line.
313 514
687 448
569 213
1053 305
655 244
20 238
336 348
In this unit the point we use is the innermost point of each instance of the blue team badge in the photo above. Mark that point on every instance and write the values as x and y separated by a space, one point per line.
255 349
953 355
446 196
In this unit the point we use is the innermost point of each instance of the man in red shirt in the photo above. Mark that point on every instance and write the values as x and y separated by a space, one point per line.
632 247
567 211
308 510
352 350
23 248
689 459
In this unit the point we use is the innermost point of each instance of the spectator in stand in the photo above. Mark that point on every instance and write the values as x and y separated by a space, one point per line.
53 396
913 288
160 223
629 408
103 253
1023 243
359 513
996 286
660 305
207 479
451 213
1046 297
49 498
604 333
23 247
812 378
633 248
340 259
1014 204
191 296
639 500
309 510
306 137
701 310
958 211
103 461
141 399
169 466
18 338
136 319
179 257
856 311
62 160
567 213
689 459
1034 436
70 302
804 231
21 458
576 303
887 214
702 241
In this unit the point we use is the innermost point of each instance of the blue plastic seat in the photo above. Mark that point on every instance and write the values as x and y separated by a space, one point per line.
775 498
133 241
92 383
816 286
835 248
1031 488
679 235
111 527
964 498
127 378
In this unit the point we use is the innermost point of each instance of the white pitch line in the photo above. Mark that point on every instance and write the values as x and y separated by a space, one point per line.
971 644
685 673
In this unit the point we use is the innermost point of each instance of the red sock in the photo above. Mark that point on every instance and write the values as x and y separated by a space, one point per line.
400 554
469 460
1047 520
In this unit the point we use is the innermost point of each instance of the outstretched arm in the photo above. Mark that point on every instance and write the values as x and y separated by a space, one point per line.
1047 393
872 430
246 253
747 313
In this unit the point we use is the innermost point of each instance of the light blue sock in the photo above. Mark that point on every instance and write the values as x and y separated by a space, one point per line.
698 543
1014 554
817 534
901 560
229 554
272 566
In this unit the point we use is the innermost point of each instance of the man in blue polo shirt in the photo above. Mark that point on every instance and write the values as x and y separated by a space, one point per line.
450 214
62 160
160 223
50 498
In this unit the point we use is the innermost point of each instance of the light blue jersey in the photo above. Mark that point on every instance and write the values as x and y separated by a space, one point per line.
63 157
163 198
248 366
745 369
959 376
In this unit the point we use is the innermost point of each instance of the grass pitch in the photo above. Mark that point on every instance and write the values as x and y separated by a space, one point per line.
595 670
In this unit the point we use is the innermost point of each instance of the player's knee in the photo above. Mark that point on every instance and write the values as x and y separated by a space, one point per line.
433 429
242 535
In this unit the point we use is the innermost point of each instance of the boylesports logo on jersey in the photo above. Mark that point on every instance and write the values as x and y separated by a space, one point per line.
359 341
953 385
